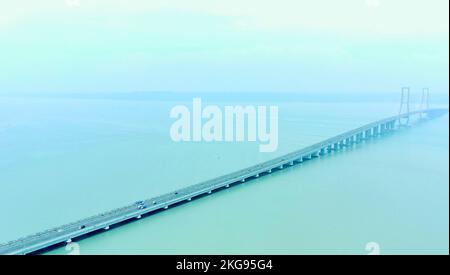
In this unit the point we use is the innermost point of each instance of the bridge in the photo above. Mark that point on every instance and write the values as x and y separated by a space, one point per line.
67 233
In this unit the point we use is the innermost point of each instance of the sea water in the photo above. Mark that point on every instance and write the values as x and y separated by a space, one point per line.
63 159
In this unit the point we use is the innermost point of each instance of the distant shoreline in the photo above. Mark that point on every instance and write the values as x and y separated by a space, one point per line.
236 96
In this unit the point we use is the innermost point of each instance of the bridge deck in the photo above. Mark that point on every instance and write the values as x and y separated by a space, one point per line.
102 221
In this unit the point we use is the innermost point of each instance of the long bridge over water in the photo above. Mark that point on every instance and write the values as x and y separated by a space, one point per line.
96 224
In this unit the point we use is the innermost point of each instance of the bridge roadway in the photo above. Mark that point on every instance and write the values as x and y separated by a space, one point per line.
95 224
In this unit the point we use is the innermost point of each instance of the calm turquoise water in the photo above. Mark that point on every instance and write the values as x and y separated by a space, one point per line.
65 159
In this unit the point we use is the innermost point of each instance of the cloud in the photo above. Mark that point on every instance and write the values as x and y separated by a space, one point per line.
373 3
349 17
73 3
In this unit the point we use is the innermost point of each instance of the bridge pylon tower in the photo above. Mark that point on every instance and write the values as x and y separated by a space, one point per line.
404 105
424 102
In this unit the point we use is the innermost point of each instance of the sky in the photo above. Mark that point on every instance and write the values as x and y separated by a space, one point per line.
101 46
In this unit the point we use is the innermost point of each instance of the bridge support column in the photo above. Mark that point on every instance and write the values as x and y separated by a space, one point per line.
346 142
329 148
322 151
291 163
336 146
257 176
393 125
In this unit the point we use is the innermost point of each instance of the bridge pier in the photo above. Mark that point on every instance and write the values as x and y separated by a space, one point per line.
347 142
392 123
375 131
322 151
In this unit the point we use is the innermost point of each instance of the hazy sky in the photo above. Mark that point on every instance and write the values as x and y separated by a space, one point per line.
230 45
